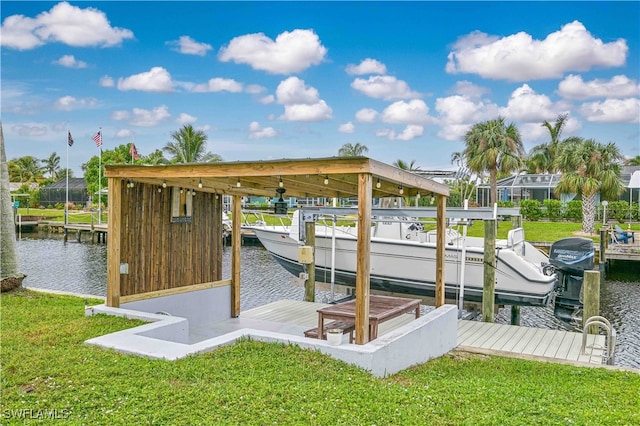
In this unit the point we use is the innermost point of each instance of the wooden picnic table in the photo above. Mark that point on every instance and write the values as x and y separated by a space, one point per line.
381 309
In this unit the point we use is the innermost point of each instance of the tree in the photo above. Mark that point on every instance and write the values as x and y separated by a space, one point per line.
350 150
25 169
118 155
635 161
52 165
589 168
542 157
411 166
10 278
495 147
188 146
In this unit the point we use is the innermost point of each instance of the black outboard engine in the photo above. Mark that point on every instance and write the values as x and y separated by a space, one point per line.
571 257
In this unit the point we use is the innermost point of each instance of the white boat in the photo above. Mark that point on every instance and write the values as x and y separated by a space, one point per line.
403 261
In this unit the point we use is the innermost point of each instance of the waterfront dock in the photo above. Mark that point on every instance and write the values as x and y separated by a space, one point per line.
473 336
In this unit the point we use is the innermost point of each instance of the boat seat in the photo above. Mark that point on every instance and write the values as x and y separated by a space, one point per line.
345 326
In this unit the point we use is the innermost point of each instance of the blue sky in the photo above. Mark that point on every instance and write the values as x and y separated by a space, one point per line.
269 80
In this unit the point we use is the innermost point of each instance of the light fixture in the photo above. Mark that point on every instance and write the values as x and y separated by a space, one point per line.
200 183
159 189
238 184
280 183
418 195
193 192
378 184
164 183
326 180
181 190
400 189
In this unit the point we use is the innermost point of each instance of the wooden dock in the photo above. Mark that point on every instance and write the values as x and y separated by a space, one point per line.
530 342
473 336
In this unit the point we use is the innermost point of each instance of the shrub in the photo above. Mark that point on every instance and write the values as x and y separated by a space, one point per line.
531 210
553 209
573 210
618 210
506 203
60 206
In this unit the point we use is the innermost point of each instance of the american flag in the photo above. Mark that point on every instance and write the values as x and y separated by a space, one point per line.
69 139
133 151
98 139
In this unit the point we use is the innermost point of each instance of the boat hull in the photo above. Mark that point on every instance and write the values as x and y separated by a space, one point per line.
409 267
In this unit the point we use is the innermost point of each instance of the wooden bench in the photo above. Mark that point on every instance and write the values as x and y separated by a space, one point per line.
345 326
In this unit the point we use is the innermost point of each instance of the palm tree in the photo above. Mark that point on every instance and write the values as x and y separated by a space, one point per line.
589 168
495 147
188 146
27 169
542 157
52 165
411 167
351 150
635 161
9 276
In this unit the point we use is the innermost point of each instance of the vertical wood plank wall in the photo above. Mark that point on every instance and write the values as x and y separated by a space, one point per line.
164 255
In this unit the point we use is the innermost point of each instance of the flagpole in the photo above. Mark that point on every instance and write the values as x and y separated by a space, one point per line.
66 204
100 180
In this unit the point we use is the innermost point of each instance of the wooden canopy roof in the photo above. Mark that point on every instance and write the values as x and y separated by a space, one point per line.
300 177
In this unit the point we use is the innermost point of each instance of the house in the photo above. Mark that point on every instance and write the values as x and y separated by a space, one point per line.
55 193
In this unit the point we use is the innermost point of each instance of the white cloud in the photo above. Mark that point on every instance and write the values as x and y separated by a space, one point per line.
384 87
301 102
107 81
528 106
347 127
367 66
366 115
218 84
303 112
269 99
458 113
124 133
204 128
185 118
143 117
620 86
189 46
255 89
410 132
258 132
470 90
70 61
519 57
412 112
157 79
29 130
290 52
69 103
65 24
612 111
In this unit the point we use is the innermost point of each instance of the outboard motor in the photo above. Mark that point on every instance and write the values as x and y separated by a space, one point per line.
571 257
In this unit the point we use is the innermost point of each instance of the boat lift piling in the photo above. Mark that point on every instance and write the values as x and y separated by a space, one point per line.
516 222
488 294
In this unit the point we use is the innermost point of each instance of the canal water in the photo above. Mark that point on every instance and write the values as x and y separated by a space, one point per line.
81 268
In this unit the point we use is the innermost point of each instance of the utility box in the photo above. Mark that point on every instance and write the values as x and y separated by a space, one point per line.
305 254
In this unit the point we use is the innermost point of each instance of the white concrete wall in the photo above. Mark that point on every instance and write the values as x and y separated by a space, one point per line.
198 307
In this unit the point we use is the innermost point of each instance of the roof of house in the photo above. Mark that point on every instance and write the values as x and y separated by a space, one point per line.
74 184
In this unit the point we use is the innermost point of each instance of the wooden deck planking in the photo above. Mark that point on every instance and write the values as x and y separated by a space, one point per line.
538 342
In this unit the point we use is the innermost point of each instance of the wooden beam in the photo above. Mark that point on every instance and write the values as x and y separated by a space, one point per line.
172 291
441 228
236 236
363 258
113 242
489 280
310 283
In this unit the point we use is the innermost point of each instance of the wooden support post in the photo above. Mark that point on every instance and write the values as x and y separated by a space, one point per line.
113 254
363 258
235 255
591 289
488 294
515 315
441 229
602 258
310 283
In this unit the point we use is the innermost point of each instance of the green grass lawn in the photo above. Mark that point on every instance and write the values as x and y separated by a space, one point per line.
46 366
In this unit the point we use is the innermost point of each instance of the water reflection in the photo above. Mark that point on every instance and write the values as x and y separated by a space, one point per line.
81 268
